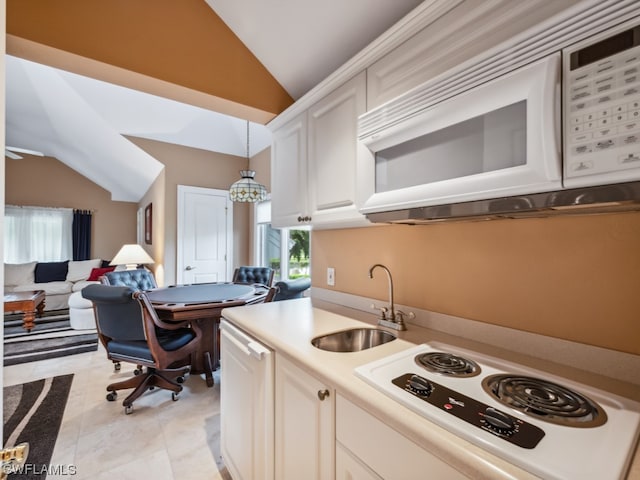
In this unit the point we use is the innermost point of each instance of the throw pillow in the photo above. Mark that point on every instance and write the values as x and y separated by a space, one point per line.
96 273
19 273
81 269
51 271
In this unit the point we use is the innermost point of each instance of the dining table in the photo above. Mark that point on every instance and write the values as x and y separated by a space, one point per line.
203 303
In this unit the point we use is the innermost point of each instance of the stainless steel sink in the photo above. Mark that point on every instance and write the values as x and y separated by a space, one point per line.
353 340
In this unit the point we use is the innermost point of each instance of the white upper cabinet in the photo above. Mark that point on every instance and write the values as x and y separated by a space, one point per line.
333 168
289 173
316 177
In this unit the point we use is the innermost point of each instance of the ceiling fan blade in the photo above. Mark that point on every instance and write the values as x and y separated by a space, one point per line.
23 150
11 155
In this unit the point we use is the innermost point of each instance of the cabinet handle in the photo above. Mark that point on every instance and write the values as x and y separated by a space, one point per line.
300 219
322 394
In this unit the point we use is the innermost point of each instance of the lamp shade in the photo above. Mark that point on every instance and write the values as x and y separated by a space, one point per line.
247 189
131 255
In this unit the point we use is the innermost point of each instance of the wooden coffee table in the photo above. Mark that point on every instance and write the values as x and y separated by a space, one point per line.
27 302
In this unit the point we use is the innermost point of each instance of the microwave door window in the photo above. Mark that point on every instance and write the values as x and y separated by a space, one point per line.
489 142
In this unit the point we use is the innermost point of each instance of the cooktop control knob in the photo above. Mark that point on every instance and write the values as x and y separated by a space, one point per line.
498 421
420 385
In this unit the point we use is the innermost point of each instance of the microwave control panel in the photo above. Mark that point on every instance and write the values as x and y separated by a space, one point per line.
602 108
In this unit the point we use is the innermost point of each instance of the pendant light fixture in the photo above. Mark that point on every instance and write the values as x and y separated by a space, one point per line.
247 189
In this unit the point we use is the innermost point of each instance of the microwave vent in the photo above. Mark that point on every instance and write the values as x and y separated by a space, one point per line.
549 37
623 197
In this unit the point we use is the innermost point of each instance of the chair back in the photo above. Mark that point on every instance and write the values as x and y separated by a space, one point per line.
290 289
251 275
118 314
138 279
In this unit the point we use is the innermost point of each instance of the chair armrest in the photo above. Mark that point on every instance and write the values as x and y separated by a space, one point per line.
156 320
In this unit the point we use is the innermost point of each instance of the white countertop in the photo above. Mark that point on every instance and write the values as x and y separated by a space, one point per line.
287 327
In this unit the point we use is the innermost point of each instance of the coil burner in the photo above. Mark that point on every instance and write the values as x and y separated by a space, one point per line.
448 364
545 400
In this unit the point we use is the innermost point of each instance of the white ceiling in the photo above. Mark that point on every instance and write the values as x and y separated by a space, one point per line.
82 121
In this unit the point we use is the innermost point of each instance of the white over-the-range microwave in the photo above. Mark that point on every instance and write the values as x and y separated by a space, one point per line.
548 124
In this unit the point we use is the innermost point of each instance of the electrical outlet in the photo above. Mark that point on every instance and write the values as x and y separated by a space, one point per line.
331 276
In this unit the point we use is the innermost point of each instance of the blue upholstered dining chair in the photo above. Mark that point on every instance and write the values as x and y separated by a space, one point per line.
253 275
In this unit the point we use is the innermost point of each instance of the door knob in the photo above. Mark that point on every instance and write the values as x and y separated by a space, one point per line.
189 267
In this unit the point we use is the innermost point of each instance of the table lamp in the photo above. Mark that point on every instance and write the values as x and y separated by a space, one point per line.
131 255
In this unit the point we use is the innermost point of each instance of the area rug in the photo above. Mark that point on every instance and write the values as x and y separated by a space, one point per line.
51 337
32 412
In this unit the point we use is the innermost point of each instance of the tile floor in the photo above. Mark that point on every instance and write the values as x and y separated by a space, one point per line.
161 439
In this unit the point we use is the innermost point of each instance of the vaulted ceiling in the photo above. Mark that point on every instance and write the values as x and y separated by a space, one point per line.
81 74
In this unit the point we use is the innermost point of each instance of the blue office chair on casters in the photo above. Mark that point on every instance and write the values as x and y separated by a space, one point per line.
131 332
137 279
254 275
289 289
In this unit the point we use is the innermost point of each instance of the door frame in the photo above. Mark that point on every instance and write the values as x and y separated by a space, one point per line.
182 191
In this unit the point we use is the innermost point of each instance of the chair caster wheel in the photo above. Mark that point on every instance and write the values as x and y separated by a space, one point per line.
174 396
111 396
116 366
180 379
128 409
137 371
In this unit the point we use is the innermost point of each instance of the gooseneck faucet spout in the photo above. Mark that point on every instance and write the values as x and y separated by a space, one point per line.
392 309
390 317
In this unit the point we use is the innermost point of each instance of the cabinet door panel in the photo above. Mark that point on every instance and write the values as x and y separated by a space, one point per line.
246 419
289 173
349 467
304 426
384 450
334 173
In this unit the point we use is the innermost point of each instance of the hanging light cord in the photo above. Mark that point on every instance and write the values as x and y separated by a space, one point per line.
248 158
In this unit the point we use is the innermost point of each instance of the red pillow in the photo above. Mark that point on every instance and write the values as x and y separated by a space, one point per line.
96 273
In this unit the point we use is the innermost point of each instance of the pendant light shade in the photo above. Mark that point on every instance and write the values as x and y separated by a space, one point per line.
247 189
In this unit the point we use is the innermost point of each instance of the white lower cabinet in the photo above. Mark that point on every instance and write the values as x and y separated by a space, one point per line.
304 425
369 449
348 467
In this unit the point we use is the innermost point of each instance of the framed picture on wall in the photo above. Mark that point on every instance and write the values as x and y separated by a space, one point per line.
148 223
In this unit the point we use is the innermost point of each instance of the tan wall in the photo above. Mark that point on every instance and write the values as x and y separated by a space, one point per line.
574 278
261 163
156 197
46 182
196 168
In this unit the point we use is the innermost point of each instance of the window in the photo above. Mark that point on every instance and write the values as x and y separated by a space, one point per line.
37 233
286 250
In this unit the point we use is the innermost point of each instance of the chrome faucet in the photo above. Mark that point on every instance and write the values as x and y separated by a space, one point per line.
390 317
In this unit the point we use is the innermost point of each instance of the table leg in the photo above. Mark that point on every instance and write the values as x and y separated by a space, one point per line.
40 309
201 359
27 320
208 374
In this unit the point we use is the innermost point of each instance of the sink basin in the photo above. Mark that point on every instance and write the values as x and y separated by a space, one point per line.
353 340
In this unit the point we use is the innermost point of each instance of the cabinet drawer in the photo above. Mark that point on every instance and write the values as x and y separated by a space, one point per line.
385 451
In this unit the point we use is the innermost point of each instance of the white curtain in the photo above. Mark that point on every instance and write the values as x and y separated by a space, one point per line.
37 233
